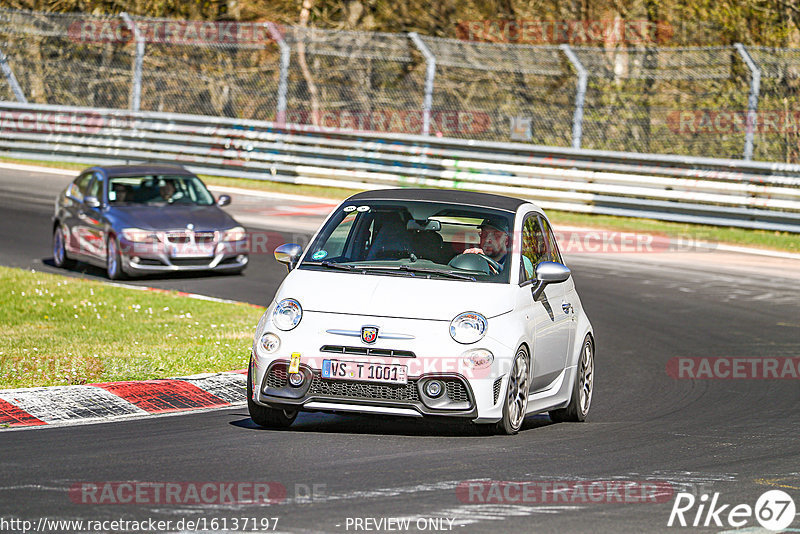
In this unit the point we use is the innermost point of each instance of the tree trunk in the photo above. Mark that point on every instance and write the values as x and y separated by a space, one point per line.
305 13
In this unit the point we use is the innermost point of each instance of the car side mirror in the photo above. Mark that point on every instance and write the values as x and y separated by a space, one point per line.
288 254
223 200
91 201
549 272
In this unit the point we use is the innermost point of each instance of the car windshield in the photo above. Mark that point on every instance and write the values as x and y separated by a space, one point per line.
415 239
158 189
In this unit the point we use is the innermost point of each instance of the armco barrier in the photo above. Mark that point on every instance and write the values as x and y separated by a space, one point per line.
674 188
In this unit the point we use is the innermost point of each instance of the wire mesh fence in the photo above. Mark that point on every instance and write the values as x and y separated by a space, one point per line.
655 99
209 75
354 80
701 101
508 92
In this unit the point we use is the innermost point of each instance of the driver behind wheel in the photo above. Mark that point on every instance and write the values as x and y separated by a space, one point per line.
494 240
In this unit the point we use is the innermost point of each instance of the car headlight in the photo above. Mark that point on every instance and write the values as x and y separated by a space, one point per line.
234 234
287 314
468 327
269 343
477 358
137 235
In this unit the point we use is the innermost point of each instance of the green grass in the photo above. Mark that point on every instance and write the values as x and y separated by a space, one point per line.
51 164
59 330
781 241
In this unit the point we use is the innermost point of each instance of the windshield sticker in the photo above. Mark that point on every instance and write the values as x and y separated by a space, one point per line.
348 209
318 255
363 208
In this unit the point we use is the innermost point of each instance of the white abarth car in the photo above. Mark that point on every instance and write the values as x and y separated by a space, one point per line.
418 302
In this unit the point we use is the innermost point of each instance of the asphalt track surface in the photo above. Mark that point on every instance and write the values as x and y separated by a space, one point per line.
735 437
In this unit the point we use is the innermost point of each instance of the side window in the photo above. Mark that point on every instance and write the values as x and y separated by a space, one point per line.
554 254
96 189
534 247
78 188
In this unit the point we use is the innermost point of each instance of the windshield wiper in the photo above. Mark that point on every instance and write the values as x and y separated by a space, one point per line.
330 265
446 274
417 270
391 268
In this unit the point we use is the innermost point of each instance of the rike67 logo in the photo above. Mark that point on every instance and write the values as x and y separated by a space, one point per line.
774 510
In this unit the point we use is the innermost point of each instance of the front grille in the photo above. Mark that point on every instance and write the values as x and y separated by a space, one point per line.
364 390
184 237
496 388
456 391
277 376
367 351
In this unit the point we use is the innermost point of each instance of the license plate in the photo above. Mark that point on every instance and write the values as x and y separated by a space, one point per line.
363 371
192 251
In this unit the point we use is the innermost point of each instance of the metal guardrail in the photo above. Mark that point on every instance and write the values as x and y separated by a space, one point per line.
736 193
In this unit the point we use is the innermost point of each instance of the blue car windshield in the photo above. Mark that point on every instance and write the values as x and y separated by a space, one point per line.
158 189
415 238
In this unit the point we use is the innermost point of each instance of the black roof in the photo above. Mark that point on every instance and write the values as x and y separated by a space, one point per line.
443 195
142 169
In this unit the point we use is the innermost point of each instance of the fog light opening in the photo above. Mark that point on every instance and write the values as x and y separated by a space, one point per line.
135 259
434 388
241 258
296 379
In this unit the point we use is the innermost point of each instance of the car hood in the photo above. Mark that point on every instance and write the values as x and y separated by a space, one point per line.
174 217
394 296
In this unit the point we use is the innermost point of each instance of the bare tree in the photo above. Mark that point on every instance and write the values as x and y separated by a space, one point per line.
305 13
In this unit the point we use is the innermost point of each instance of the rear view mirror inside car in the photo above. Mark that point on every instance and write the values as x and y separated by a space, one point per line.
424 225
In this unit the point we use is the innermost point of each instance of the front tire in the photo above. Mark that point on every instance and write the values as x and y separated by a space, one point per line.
113 260
265 416
516 403
582 389
60 257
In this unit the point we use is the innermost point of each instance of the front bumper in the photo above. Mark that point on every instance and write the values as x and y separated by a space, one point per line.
320 394
154 258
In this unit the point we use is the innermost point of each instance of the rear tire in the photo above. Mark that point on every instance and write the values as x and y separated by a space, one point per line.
265 416
516 403
60 257
581 399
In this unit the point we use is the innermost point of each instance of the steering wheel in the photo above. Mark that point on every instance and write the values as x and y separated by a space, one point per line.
463 261
493 265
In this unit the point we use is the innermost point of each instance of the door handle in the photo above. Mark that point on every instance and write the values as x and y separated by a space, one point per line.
566 307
